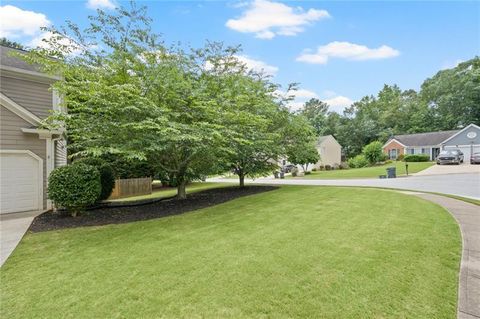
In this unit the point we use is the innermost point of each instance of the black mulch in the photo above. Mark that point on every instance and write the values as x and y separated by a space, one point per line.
119 215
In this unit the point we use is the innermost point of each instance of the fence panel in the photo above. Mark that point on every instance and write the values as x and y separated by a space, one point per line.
131 187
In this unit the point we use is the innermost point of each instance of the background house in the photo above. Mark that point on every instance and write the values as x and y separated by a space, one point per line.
27 153
431 143
330 151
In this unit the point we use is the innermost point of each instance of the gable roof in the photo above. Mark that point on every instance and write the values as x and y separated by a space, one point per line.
424 139
462 130
8 58
322 139
12 65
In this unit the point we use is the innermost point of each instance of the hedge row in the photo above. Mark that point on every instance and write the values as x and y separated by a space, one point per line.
416 158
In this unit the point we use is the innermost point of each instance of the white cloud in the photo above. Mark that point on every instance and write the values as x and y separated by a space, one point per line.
100 4
17 23
305 94
257 65
338 103
267 19
348 51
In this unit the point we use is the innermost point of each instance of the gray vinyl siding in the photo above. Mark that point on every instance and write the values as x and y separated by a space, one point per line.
462 139
60 153
12 138
34 96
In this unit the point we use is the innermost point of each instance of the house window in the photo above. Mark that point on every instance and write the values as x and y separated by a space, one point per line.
392 154
411 151
424 150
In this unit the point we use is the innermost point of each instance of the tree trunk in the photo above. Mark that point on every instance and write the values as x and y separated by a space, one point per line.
181 192
241 177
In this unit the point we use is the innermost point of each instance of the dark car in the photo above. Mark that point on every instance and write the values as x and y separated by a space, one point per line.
449 157
475 158
288 168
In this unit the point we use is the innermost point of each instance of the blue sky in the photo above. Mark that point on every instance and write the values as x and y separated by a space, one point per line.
338 51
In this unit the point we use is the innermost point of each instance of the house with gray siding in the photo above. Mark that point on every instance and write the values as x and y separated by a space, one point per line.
431 143
28 153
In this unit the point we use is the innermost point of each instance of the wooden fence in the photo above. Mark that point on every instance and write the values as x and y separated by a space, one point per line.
131 187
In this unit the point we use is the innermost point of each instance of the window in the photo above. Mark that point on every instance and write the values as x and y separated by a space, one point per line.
411 151
424 150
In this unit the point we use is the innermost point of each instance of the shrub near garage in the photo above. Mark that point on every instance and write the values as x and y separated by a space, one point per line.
416 158
107 177
74 187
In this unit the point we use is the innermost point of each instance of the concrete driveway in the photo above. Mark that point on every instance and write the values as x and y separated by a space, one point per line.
465 168
465 185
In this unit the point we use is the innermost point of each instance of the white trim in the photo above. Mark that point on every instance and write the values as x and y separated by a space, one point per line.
461 145
42 133
50 164
393 139
40 171
19 110
461 131
28 74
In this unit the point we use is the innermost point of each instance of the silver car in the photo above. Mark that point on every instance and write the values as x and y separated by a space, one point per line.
449 157
475 158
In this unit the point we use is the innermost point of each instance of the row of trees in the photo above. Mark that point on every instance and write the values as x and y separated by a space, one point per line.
449 100
187 113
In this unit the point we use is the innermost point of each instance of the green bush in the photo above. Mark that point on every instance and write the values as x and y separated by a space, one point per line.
107 176
314 169
416 158
74 187
328 167
357 161
400 157
373 152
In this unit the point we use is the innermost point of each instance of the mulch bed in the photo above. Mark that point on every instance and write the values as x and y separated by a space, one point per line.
119 215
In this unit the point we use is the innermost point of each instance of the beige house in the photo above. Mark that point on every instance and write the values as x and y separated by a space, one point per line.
27 153
330 151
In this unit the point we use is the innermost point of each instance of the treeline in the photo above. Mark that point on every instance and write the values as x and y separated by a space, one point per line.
181 114
449 100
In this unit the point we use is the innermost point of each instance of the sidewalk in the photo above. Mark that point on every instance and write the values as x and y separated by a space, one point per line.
12 228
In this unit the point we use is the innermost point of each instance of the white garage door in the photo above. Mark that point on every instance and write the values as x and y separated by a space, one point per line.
20 186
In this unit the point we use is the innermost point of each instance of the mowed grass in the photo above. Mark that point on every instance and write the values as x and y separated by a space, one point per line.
172 191
296 252
369 172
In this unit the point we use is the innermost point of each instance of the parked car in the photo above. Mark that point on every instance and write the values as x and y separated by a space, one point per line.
449 157
475 158
288 168
460 154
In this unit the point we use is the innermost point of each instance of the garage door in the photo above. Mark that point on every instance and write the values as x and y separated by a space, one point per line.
20 186
466 150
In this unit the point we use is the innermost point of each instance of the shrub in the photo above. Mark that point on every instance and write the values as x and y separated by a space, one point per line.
373 152
358 161
107 176
294 172
343 165
400 157
328 167
388 161
314 169
416 158
74 187
322 167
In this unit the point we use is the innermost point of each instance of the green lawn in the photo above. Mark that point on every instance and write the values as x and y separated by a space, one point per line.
296 252
171 191
368 172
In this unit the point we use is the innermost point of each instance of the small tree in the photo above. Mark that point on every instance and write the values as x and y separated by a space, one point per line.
303 154
373 152
74 187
